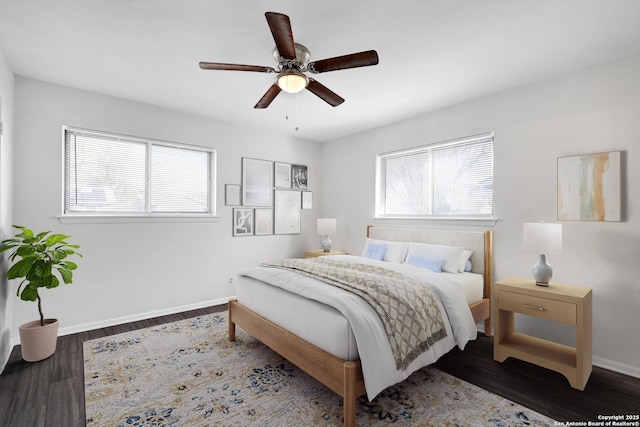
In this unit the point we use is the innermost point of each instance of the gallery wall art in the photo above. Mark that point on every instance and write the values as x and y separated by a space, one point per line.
282 175
270 198
299 177
257 182
232 195
242 222
263 221
287 212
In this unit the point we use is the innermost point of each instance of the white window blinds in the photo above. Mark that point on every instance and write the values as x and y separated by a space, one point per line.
111 174
452 179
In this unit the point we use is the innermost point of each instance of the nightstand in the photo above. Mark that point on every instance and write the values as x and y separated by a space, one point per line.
320 252
559 303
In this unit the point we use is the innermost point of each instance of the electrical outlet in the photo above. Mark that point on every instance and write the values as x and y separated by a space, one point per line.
231 281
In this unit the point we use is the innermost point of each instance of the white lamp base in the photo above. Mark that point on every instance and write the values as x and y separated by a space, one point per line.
326 243
542 271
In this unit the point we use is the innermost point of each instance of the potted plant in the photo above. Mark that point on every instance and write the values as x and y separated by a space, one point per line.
41 258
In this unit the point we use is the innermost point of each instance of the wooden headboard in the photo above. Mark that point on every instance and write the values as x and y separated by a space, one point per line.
480 242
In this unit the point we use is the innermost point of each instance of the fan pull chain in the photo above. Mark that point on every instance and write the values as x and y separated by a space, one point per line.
297 110
286 115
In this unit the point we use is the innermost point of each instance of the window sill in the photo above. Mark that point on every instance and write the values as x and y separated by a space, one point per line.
438 220
121 219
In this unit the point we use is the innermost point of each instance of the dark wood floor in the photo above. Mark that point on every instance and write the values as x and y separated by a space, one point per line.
51 392
545 391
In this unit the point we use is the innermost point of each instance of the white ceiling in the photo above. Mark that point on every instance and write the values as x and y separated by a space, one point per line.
433 53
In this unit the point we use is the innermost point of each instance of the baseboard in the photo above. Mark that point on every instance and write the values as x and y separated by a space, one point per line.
621 368
133 318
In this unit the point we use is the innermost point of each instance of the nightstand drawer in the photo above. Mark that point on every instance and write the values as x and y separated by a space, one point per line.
557 311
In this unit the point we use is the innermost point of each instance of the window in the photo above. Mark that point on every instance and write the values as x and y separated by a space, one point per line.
449 179
108 174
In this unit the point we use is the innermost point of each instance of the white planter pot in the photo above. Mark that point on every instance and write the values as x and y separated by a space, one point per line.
38 342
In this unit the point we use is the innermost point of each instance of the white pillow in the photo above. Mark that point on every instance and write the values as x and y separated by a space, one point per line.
451 254
466 254
395 251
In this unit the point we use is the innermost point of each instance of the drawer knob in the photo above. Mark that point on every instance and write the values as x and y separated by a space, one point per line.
534 307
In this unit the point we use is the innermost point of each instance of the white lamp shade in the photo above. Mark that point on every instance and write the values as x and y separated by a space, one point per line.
326 226
542 238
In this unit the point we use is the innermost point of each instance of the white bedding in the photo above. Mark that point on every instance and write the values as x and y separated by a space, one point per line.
378 364
327 328
472 285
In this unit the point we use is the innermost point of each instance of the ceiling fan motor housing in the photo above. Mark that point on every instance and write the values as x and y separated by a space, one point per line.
291 77
300 63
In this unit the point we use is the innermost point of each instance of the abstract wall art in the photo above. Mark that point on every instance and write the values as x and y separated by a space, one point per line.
589 187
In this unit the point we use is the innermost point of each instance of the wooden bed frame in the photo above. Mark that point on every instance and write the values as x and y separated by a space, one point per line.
345 377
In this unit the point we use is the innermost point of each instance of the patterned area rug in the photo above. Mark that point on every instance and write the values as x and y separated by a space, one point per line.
187 373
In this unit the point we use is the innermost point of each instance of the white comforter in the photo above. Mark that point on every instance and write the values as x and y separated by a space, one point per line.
378 365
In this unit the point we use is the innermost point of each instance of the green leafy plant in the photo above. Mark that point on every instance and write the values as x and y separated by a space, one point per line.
40 257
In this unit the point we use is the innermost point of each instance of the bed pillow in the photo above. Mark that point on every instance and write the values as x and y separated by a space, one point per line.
376 251
464 257
431 263
451 254
395 251
468 267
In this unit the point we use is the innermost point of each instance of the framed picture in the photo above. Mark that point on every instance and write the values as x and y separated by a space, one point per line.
287 212
299 177
263 221
282 175
257 182
589 187
232 195
307 200
242 222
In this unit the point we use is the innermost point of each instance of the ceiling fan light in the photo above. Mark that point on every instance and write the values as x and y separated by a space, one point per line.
292 82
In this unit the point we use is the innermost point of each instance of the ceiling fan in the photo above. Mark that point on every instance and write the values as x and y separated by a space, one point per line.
293 62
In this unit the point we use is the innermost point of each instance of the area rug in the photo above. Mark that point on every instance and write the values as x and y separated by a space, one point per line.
187 373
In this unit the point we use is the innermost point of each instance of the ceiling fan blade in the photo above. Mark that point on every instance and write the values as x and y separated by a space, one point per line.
269 96
282 34
235 67
354 60
324 93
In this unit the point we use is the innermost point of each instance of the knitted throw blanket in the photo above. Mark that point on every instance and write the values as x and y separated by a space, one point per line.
408 309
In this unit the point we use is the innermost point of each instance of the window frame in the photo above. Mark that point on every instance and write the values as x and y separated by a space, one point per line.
147 216
379 208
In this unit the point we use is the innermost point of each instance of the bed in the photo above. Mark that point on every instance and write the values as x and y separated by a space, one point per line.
321 335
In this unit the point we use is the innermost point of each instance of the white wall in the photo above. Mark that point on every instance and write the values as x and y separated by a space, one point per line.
592 111
133 270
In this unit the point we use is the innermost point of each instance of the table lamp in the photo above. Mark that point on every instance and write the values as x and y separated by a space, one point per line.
542 239
326 226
